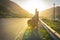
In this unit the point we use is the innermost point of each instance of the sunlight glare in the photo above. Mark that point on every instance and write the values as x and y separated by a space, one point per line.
31 5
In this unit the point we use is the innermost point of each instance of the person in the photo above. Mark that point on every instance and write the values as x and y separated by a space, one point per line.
33 23
37 17
33 33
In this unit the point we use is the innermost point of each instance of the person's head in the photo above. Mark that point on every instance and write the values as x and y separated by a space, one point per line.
36 9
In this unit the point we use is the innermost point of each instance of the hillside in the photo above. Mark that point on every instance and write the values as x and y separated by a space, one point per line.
11 9
48 13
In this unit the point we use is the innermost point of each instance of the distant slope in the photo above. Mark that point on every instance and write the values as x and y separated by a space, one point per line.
49 13
11 9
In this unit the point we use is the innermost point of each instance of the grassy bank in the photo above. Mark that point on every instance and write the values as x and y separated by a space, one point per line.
45 35
36 34
53 24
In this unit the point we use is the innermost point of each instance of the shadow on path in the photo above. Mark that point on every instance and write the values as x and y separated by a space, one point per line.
31 34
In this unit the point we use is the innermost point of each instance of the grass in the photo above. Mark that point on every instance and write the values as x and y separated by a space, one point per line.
45 35
36 34
53 24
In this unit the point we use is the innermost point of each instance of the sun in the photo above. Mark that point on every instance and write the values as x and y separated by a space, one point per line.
31 5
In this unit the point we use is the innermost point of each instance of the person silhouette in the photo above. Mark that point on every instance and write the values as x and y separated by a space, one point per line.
33 23
32 33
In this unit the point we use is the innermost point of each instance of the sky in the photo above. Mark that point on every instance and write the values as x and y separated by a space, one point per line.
31 5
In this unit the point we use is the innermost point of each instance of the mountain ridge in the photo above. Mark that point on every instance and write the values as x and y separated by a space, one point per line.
48 13
13 9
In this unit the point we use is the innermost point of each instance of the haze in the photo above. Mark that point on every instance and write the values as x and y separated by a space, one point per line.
41 5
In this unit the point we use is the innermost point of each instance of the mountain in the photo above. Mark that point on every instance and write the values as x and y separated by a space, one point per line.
49 13
11 9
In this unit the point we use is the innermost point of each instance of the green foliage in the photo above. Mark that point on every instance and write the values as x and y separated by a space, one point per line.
53 24
45 35
31 34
